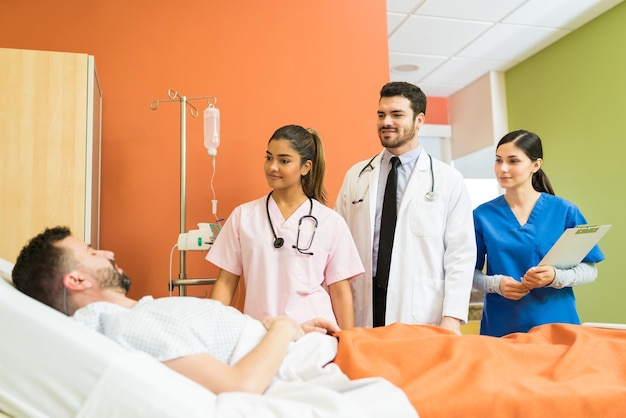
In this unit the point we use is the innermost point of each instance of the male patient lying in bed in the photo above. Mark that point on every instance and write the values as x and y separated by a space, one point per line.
196 337
212 344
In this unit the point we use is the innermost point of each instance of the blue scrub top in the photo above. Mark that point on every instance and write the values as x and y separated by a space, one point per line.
511 249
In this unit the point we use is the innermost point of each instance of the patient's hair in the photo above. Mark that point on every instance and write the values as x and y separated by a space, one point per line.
308 144
409 91
40 267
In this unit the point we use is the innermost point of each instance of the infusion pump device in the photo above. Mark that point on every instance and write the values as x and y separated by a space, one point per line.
199 239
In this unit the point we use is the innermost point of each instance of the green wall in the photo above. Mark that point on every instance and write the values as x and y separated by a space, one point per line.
573 95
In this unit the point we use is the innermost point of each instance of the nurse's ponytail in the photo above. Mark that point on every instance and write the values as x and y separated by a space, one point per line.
307 143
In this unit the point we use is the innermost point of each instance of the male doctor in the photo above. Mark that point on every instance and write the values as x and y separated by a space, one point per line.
433 247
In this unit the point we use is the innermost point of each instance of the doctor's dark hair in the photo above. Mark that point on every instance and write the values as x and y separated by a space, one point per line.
41 265
307 143
410 91
530 144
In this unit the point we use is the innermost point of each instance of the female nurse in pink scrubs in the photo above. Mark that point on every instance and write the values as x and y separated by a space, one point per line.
296 255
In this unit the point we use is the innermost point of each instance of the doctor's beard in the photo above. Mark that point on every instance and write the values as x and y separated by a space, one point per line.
399 141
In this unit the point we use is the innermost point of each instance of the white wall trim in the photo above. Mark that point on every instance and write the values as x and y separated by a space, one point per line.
440 131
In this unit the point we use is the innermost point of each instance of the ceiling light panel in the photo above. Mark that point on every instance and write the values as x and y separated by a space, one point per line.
565 14
403 6
435 36
465 71
439 90
502 42
479 10
393 21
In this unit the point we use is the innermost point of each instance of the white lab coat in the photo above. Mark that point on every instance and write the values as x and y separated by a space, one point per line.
434 251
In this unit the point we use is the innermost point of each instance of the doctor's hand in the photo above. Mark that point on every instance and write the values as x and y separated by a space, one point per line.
539 276
512 289
453 324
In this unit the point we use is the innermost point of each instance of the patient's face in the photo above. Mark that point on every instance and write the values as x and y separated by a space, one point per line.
99 264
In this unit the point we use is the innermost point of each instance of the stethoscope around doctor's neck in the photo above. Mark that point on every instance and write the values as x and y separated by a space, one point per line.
279 242
430 196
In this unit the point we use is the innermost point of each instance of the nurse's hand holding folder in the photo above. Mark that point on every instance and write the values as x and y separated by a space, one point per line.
524 266
566 258
540 276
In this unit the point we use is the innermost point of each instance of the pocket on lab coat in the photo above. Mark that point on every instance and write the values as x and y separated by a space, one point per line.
426 218
426 305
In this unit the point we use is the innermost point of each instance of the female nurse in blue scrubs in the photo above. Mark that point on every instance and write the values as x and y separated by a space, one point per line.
513 233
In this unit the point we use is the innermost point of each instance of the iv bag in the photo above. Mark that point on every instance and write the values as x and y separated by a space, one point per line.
212 129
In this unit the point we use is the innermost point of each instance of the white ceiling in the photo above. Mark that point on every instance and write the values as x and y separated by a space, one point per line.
454 42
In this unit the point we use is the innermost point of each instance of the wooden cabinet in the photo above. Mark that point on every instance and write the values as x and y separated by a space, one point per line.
50 141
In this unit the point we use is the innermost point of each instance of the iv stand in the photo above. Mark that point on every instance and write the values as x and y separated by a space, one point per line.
184 102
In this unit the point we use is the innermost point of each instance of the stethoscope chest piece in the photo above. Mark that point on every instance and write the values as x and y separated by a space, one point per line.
279 241
431 196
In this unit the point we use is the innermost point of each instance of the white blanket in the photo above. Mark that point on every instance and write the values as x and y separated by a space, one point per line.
318 388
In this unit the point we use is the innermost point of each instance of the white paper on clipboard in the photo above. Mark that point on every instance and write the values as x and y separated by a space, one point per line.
573 245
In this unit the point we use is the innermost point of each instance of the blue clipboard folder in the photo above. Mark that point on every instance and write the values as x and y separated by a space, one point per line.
573 245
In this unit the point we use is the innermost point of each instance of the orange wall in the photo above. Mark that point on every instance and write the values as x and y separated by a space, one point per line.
437 111
269 63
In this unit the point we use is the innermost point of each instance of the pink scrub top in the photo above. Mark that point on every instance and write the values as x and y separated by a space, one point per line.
283 281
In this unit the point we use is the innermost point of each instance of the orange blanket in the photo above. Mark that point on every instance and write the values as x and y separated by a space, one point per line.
552 371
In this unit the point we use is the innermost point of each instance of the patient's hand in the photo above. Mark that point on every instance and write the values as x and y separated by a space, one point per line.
289 325
320 325
512 289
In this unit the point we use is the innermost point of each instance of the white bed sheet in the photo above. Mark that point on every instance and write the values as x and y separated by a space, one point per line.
52 366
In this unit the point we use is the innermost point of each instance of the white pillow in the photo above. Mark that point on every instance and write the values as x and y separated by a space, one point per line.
53 366
6 267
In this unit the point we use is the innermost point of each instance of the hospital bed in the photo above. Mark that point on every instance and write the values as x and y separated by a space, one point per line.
51 366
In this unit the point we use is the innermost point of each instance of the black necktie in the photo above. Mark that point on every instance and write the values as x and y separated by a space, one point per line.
385 243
